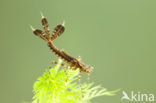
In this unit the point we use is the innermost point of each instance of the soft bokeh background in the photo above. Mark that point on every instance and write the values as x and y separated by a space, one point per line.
117 37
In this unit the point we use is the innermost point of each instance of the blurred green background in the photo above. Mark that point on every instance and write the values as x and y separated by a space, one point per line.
116 37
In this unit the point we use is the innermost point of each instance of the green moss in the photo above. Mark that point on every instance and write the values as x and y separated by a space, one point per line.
56 86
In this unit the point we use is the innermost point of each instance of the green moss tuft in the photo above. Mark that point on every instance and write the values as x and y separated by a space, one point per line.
57 87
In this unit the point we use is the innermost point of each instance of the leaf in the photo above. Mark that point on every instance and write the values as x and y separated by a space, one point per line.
58 86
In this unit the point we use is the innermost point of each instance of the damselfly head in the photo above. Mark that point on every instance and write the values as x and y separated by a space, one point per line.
85 68
88 69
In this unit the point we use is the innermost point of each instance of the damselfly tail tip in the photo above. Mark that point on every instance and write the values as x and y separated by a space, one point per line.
63 24
31 27
42 15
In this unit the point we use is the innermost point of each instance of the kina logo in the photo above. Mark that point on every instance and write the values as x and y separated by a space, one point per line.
137 96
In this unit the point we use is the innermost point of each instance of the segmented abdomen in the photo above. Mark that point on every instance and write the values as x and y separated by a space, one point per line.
61 54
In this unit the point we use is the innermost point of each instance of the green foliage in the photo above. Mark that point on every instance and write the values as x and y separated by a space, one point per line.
58 86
